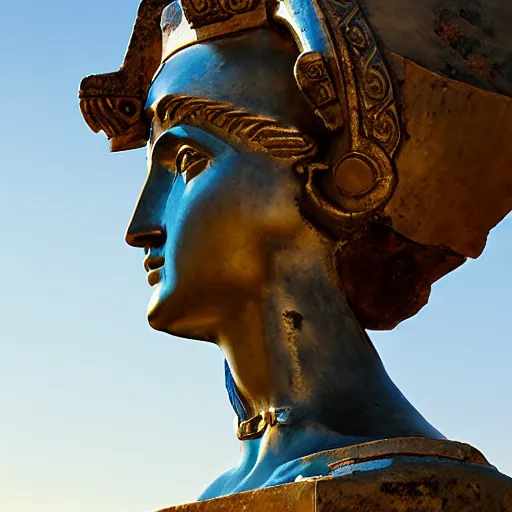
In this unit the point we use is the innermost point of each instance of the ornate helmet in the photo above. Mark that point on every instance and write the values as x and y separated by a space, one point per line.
421 166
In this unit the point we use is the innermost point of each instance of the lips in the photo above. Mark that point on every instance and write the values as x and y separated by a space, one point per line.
153 266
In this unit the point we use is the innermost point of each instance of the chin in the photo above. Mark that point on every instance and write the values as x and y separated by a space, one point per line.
155 320
164 316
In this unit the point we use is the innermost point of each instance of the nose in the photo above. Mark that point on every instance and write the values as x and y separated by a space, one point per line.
146 228
146 239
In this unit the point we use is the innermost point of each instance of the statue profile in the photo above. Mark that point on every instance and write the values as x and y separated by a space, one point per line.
314 166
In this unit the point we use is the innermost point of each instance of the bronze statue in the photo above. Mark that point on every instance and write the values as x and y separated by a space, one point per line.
314 166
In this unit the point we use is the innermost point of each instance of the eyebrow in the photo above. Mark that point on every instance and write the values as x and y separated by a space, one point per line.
259 132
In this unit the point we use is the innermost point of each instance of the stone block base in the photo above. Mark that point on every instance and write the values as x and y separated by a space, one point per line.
401 484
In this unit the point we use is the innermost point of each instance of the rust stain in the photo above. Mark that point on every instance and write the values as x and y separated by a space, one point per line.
456 30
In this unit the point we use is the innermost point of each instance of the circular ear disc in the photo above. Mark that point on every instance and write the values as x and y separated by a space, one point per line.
362 180
354 175
342 197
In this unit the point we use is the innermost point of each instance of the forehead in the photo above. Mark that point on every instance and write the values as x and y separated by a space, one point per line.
253 71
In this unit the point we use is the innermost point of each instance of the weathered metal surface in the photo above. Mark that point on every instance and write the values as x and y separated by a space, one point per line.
388 277
467 40
114 102
454 164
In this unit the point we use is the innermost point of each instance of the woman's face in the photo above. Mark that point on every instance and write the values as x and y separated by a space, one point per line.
221 194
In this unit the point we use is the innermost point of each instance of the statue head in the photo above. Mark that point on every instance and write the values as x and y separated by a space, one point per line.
262 120
228 128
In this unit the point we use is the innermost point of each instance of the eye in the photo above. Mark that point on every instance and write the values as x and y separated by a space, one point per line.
190 162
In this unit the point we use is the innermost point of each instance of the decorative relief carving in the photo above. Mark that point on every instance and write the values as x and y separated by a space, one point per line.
377 104
370 87
263 133
316 84
192 21
112 115
205 12
119 117
364 178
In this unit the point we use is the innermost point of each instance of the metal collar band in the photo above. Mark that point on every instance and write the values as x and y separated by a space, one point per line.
255 427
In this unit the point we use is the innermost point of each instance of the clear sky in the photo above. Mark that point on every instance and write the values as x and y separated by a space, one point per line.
98 412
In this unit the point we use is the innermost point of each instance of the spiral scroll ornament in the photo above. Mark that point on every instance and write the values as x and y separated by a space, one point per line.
364 178
200 13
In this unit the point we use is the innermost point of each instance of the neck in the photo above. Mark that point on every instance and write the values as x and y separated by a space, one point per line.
296 343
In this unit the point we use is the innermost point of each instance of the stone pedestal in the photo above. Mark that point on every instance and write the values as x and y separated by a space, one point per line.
398 484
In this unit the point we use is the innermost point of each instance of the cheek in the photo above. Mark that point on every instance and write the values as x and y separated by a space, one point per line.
224 216
208 236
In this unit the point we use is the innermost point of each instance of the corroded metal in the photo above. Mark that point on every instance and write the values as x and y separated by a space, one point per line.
469 176
114 102
314 166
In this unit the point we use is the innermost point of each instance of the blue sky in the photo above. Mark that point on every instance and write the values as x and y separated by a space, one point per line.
98 411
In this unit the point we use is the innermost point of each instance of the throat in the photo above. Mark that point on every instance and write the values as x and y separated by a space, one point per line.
334 380
297 346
